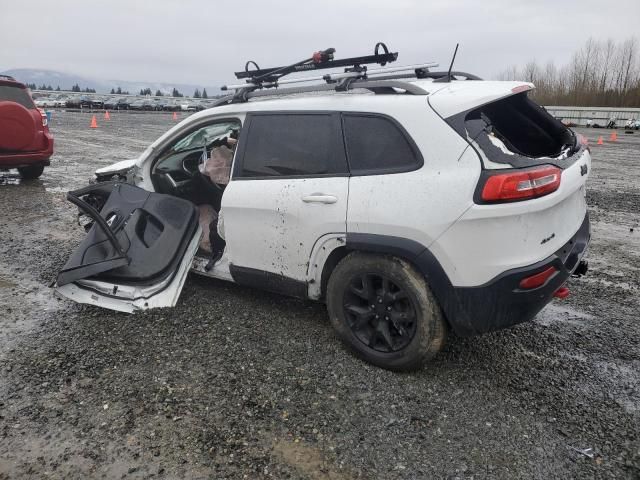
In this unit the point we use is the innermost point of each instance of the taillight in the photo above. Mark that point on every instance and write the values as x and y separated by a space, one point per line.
537 280
45 120
521 185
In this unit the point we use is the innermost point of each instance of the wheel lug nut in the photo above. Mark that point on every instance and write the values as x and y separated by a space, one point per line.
389 308
379 300
377 316
372 307
386 318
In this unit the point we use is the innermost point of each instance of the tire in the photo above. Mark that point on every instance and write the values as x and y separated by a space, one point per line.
30 173
402 341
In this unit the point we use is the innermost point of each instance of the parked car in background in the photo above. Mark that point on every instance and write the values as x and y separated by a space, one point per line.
86 101
187 106
97 102
43 102
125 102
112 103
73 101
141 104
159 104
172 105
59 101
25 140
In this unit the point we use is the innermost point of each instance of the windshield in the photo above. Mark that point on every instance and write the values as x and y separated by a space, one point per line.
204 136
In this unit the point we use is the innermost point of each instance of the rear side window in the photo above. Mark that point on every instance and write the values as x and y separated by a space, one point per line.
377 144
16 94
292 144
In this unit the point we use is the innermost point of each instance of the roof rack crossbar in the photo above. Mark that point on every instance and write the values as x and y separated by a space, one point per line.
334 77
375 86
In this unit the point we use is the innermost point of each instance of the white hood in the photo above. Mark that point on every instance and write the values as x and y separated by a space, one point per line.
117 167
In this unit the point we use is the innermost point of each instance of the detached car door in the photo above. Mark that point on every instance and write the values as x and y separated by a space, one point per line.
289 187
138 251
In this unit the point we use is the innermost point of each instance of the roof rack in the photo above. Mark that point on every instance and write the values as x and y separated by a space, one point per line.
320 60
356 75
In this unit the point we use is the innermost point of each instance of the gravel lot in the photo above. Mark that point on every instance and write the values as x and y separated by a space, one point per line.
236 383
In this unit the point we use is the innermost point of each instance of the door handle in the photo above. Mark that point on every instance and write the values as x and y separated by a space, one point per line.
319 198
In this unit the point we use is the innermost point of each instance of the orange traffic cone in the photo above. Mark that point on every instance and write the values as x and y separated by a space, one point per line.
106 115
600 142
175 116
613 137
94 122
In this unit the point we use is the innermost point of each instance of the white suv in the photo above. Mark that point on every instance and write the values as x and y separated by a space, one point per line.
409 206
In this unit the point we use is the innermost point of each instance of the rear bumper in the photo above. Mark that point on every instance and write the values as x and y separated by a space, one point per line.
501 303
28 159
24 160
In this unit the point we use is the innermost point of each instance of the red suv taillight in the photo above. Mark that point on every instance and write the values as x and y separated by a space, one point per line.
521 185
45 120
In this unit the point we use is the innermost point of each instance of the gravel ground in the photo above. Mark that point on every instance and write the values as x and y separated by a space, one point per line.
236 383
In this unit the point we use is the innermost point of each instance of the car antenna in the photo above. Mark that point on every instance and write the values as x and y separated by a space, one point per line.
448 77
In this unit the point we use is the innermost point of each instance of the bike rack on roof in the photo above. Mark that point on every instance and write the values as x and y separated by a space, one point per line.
355 75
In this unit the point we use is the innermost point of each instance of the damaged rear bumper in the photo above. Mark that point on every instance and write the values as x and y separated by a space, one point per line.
502 303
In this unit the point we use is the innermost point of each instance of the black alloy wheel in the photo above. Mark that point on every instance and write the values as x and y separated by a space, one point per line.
380 313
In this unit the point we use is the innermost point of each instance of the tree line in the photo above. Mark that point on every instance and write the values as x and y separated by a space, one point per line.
174 93
603 73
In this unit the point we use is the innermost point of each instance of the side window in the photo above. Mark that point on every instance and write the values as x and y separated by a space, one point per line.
376 144
190 150
291 144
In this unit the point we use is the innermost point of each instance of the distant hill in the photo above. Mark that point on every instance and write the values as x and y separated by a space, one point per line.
66 80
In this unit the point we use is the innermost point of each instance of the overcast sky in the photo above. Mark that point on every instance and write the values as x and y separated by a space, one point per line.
204 41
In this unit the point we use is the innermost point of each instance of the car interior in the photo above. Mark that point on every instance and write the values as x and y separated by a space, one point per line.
179 171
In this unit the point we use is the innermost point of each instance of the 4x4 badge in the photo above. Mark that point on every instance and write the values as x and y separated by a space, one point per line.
583 170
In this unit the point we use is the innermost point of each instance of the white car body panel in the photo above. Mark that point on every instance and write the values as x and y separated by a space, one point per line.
132 298
421 204
118 167
272 225
319 255
490 239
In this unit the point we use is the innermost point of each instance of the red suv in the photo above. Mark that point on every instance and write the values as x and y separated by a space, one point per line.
25 141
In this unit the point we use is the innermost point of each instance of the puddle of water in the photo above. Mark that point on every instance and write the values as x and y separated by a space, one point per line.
4 283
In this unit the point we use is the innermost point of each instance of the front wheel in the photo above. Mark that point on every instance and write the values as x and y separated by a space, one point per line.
29 173
382 307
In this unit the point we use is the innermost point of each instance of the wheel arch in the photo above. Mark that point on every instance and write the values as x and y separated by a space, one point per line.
416 254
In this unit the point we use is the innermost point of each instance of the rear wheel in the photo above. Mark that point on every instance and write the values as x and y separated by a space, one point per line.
29 173
382 307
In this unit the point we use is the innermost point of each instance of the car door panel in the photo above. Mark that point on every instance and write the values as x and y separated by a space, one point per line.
270 226
137 252
289 188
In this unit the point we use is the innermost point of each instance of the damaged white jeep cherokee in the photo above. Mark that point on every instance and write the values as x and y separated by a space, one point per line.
410 204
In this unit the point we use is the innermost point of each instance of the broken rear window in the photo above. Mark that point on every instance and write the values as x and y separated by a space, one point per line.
517 131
